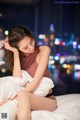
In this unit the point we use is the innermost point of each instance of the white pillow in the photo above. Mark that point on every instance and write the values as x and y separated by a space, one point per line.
45 85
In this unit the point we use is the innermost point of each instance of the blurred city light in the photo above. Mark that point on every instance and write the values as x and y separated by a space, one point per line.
6 32
57 41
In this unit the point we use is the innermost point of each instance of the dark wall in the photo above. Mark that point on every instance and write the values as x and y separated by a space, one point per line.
13 14
39 16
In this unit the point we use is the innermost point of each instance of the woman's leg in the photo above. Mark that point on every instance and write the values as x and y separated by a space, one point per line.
24 108
29 101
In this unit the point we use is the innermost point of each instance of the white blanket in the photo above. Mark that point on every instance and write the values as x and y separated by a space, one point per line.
9 86
68 109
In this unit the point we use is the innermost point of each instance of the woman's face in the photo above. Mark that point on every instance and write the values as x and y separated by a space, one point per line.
27 45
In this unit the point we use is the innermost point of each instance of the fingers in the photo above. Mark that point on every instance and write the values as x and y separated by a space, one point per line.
1 44
6 40
14 97
6 45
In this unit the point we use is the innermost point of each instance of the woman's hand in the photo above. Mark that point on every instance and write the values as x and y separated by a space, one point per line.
8 47
5 101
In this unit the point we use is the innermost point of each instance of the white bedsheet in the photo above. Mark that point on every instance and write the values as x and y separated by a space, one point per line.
68 109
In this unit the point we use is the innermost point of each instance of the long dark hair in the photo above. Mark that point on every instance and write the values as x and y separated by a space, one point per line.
16 34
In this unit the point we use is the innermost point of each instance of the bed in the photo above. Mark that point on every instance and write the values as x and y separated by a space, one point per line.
68 109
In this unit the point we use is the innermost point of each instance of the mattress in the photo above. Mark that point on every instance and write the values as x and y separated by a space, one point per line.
68 109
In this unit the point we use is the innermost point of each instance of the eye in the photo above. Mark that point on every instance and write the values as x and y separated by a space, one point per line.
25 47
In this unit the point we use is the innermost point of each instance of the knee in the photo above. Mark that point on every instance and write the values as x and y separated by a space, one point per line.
55 104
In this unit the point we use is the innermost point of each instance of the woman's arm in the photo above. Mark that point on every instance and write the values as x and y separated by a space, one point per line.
43 63
16 68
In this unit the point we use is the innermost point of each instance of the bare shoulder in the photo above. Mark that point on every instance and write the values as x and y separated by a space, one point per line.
44 48
43 51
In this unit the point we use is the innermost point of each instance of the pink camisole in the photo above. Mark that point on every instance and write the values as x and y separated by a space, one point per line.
28 62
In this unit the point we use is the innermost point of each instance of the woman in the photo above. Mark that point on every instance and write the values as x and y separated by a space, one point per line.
24 54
